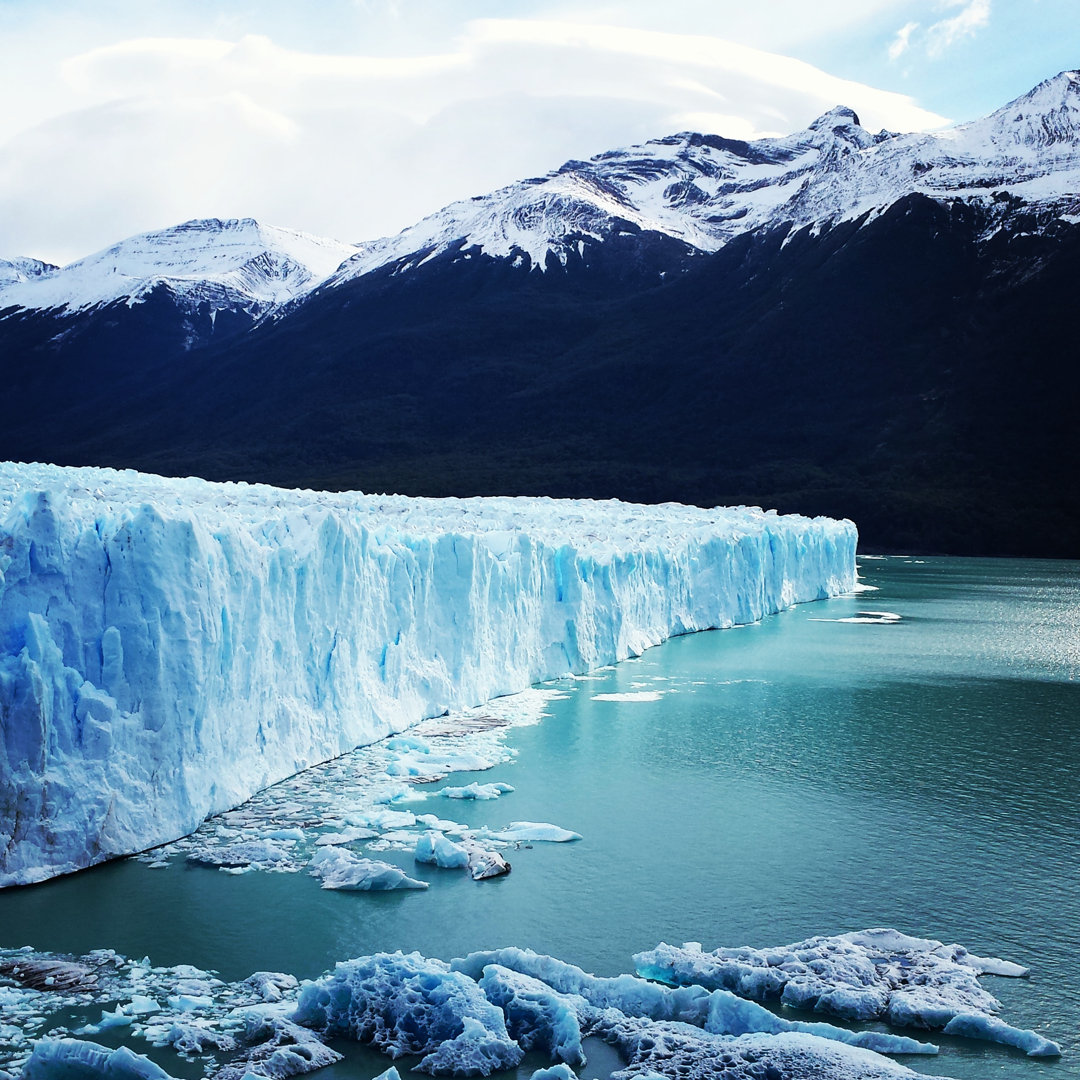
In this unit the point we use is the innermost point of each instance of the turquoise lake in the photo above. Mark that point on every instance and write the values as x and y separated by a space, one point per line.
753 786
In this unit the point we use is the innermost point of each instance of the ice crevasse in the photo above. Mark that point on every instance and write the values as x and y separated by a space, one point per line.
168 647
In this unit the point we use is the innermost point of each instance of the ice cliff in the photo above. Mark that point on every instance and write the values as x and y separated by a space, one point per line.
170 647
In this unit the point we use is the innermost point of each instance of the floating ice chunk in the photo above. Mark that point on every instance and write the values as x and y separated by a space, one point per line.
430 821
733 1015
555 1072
631 695
537 1017
408 742
719 1012
486 863
881 618
76 1059
674 1051
476 791
192 1037
284 834
141 1005
434 847
431 764
399 793
411 1005
240 855
528 831
974 1026
390 1074
477 1051
341 869
878 974
348 836
190 1002
270 985
116 1018
384 820
276 1047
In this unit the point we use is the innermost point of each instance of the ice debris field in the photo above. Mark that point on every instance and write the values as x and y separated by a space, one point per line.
329 820
480 1014
170 647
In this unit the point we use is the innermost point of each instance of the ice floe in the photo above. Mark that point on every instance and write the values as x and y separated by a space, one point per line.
475 790
871 618
631 695
438 849
357 803
339 868
473 1016
409 1004
878 974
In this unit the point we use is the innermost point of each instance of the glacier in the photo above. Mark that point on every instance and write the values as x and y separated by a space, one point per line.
169 647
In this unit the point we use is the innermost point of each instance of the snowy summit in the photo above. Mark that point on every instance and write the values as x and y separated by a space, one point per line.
694 191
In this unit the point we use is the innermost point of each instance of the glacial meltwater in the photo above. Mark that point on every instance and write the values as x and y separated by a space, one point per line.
906 757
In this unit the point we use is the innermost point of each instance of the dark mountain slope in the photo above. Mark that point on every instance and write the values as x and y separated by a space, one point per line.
899 371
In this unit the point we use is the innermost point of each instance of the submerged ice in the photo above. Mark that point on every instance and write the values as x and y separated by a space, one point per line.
170 647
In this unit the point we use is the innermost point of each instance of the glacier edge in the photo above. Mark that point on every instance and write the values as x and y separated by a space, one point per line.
168 647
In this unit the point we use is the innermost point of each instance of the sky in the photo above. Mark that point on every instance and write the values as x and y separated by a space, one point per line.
355 118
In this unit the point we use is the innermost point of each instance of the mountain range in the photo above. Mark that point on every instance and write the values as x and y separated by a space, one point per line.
877 326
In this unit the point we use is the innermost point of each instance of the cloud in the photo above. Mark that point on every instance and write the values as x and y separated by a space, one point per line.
946 33
149 132
902 41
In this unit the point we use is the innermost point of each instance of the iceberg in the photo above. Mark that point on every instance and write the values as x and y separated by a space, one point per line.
170 647
341 869
527 832
75 1059
438 849
879 974
409 1004
718 1012
478 791
471 1017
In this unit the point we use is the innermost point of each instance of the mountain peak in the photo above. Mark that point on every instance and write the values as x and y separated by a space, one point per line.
22 269
226 262
1048 114
839 117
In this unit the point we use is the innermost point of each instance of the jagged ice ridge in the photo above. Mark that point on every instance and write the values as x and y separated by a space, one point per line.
170 647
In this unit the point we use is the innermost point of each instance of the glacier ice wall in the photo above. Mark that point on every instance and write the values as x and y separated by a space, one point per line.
169 647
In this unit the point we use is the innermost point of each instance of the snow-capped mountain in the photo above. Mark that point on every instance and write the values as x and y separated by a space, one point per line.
705 190
699 190
236 264
870 326
16 270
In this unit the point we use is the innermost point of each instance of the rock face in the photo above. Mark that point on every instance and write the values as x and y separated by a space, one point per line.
169 647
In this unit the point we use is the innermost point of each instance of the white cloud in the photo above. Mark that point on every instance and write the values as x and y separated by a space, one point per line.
146 133
946 33
901 43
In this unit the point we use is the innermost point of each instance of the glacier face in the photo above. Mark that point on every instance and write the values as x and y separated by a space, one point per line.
170 647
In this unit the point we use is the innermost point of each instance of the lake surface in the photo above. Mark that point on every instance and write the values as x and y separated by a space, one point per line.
752 786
